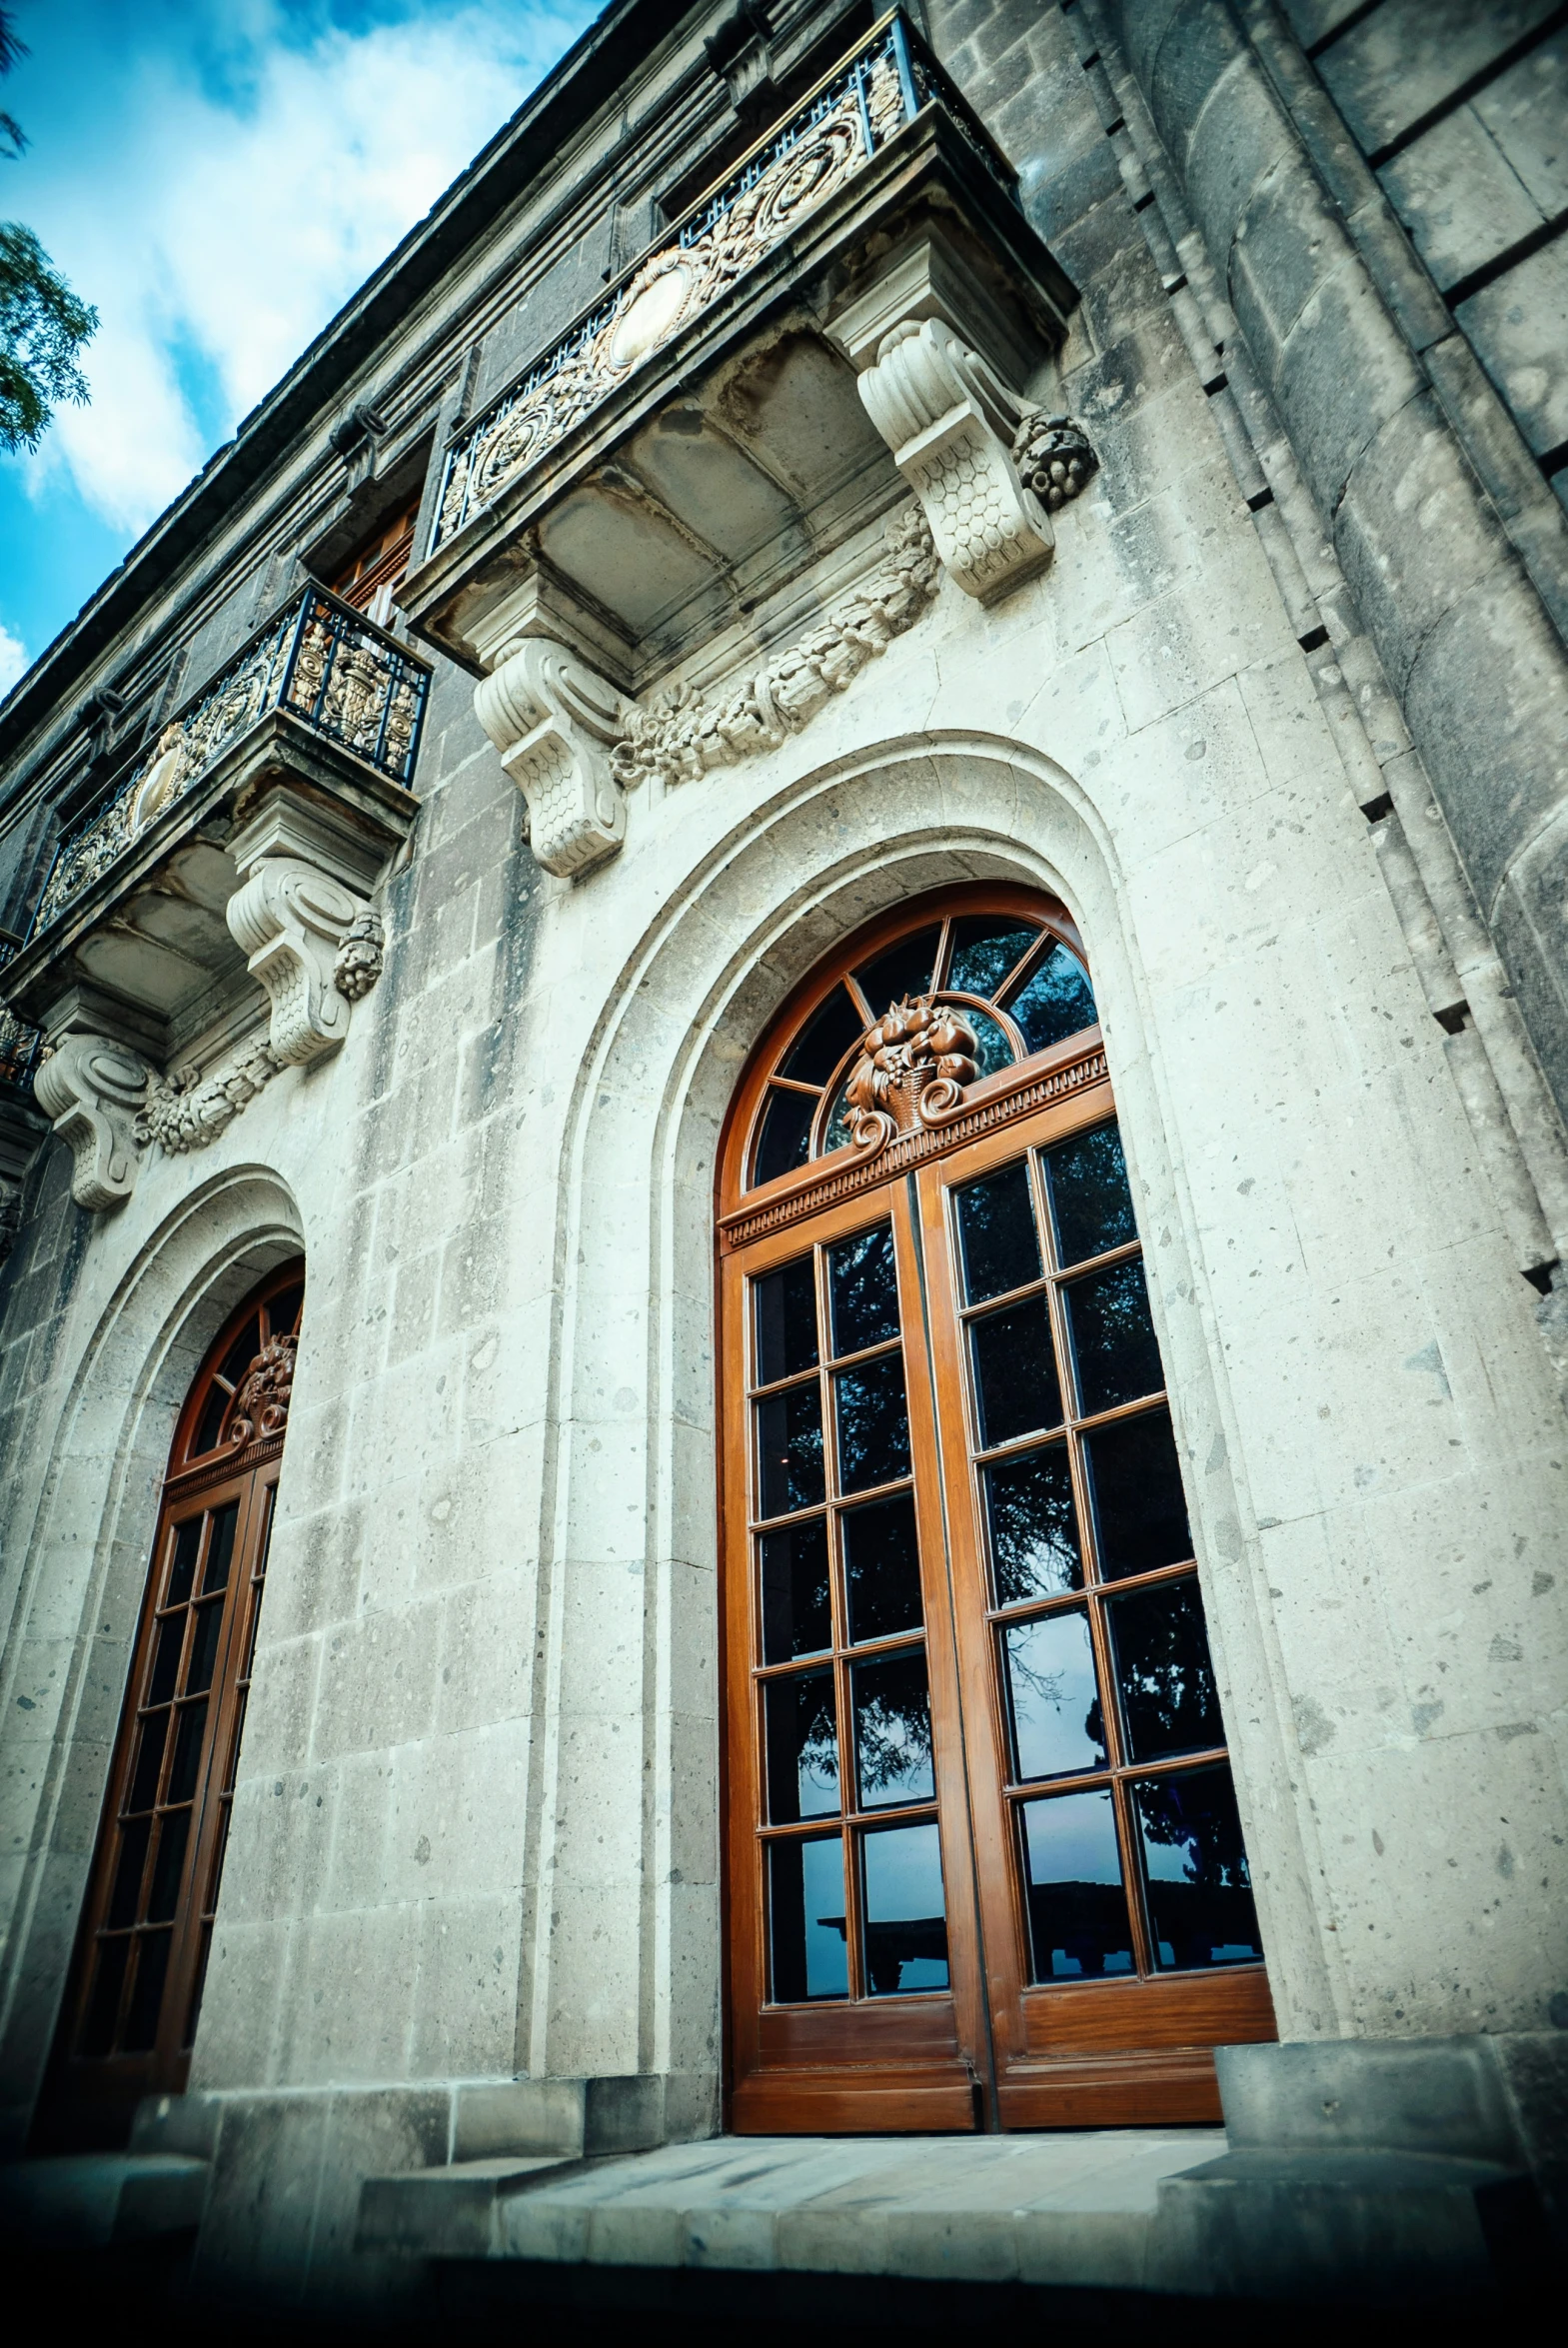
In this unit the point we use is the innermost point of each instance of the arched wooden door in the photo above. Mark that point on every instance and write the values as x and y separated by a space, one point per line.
984 1864
129 2018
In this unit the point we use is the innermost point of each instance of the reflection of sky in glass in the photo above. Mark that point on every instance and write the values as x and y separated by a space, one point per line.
903 1885
1072 1840
1056 1714
826 1950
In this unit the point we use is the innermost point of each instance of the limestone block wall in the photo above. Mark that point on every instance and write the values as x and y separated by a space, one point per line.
475 1828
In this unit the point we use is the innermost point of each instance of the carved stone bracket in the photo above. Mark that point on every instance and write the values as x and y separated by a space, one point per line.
314 943
553 718
93 1089
914 1062
951 423
290 920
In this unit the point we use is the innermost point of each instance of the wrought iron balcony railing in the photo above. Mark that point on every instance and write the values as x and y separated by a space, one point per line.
833 135
318 659
20 1044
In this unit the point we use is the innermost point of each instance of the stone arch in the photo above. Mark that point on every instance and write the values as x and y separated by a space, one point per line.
81 1582
630 1485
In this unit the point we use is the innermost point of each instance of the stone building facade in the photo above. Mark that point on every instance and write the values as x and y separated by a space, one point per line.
1085 476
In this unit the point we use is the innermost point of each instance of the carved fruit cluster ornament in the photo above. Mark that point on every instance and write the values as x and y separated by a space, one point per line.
261 1401
1054 459
914 1065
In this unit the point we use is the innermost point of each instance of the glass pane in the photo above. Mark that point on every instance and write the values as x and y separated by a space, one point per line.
993 1046
102 2013
141 2021
881 1565
1057 1725
1015 1383
984 950
802 1747
873 1425
839 1132
797 1615
997 1236
905 968
805 1920
1058 1001
187 1753
892 1731
166 1660
1090 1205
789 1449
786 1306
182 1569
1078 1926
168 1865
863 1290
1033 1526
1140 1516
786 1133
204 1648
149 1759
284 1310
126 1897
220 1550
1163 1674
906 1911
211 1425
823 1041
1195 1871
242 1352
1113 1341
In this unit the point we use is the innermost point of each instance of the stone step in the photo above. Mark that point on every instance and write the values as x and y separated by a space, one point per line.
1373 2227
94 2201
449 2212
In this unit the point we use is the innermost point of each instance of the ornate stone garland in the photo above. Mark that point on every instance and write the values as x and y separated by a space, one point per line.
682 734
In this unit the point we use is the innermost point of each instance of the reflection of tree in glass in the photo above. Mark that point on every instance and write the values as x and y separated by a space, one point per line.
1089 1196
819 1733
1050 1688
1056 1003
864 1290
1197 1815
1034 1534
983 952
893 1728
1163 1669
1113 1337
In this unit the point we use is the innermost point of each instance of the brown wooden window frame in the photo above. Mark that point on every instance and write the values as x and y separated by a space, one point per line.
129 2019
1005 2045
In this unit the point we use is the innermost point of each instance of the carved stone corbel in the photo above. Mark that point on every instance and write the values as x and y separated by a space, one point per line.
554 721
292 920
314 943
93 1091
951 423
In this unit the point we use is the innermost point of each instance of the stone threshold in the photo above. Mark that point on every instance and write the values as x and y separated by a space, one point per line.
1161 2212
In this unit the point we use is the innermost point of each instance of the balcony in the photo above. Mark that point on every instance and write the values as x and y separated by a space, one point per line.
318 706
721 451
233 866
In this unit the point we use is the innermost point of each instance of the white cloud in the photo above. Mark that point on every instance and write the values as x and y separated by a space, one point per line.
13 660
242 182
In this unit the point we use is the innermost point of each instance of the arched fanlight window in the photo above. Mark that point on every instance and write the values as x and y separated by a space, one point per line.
1014 981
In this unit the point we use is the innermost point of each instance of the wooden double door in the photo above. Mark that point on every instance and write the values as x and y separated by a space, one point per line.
984 1863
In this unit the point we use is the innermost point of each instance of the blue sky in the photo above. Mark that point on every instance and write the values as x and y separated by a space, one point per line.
218 176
